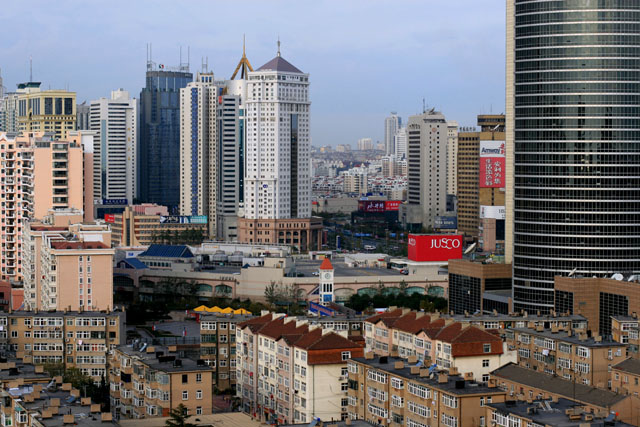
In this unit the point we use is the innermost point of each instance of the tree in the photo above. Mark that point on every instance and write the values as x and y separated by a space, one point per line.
178 417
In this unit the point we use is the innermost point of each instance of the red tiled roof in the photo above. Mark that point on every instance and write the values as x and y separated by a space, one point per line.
48 228
78 245
326 264
255 323
388 315
278 328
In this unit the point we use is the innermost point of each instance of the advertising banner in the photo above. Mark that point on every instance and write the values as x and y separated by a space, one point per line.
110 218
492 164
496 212
378 205
392 205
439 247
446 222
179 219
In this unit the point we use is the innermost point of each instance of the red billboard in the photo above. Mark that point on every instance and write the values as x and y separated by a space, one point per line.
492 164
110 218
392 205
438 247
378 206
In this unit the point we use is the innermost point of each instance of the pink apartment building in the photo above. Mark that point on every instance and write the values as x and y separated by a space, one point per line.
39 173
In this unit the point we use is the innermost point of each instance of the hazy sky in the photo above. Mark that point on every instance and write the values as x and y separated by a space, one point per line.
366 57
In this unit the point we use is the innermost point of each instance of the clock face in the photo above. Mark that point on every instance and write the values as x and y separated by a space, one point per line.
327 275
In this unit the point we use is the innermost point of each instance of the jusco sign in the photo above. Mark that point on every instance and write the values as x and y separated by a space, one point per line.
441 247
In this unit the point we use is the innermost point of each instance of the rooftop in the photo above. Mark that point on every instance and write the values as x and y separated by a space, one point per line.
455 384
229 419
573 339
631 366
549 413
161 359
78 245
167 251
557 385
279 64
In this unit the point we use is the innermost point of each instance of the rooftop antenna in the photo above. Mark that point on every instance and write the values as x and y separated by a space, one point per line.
278 44
189 56
30 68
424 106
244 66
180 55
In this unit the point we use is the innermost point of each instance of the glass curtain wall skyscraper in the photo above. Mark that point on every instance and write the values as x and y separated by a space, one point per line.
573 143
159 153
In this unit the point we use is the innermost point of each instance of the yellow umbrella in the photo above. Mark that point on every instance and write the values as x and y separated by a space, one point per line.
215 309
227 310
201 308
242 311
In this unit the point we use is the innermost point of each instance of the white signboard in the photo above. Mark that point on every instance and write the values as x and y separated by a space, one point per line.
496 212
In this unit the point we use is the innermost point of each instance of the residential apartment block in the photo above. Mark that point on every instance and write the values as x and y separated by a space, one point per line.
69 264
625 377
290 371
60 170
569 355
386 391
79 339
526 384
445 342
218 347
624 329
147 381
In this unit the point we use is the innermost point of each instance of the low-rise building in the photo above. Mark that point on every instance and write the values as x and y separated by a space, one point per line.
572 356
76 339
547 413
218 347
624 329
386 391
445 342
625 377
49 405
147 381
290 371
522 383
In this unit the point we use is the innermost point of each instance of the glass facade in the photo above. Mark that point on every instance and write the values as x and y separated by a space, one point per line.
577 150
159 146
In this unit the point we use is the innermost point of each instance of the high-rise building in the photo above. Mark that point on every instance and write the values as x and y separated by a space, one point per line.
199 157
427 170
2 88
277 185
114 120
212 140
365 144
400 142
80 253
51 111
9 113
478 182
452 157
159 137
83 112
391 126
573 202
40 173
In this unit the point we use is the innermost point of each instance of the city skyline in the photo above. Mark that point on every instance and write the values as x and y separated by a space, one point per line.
346 54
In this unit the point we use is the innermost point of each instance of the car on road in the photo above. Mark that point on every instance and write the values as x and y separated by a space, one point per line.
315 273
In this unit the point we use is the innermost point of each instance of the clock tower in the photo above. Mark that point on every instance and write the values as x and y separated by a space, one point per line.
326 282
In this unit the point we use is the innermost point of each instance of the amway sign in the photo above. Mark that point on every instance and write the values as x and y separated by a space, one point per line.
442 247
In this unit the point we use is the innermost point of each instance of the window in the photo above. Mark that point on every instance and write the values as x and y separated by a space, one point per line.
397 383
397 401
346 355
198 410
185 378
582 351
450 401
198 378
419 390
449 421
486 348
418 409
185 395
485 363
198 394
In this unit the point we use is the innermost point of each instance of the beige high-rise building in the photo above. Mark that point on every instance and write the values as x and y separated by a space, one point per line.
68 264
452 157
46 111
60 170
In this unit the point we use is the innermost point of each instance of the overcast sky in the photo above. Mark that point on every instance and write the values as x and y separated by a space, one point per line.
365 57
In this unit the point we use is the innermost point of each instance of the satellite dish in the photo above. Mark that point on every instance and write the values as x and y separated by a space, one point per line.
573 272
470 248
617 276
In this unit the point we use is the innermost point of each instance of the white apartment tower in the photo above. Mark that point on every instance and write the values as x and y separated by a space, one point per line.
427 169
400 143
452 157
391 126
199 149
115 122
278 166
